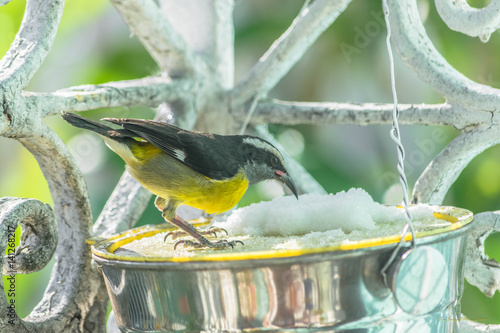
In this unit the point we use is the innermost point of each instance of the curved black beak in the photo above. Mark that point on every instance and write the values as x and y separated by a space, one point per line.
288 181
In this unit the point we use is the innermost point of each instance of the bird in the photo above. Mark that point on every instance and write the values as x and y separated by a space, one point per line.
206 171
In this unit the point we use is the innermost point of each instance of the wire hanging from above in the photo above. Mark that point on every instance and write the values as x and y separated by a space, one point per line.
395 136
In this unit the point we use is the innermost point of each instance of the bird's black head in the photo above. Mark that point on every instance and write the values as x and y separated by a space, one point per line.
263 161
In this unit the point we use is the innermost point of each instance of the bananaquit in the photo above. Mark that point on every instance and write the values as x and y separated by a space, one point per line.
203 170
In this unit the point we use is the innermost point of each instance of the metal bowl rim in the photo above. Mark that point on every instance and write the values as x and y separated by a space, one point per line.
103 249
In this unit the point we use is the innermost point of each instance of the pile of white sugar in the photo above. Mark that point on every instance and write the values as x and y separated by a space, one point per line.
312 221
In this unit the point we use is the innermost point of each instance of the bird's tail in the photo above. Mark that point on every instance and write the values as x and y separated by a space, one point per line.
81 122
120 135
118 140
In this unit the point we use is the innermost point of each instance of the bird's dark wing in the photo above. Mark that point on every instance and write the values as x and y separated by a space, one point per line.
208 154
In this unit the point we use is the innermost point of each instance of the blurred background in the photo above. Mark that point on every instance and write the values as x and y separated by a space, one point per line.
348 63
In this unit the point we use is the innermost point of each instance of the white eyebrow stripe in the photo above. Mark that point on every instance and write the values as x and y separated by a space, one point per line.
260 143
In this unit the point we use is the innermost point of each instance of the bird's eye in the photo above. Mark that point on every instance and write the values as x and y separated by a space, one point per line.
274 161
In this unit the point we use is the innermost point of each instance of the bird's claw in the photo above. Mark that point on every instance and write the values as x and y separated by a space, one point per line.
214 231
214 245
209 231
174 234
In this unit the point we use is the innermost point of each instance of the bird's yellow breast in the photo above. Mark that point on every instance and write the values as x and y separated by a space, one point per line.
173 180
217 196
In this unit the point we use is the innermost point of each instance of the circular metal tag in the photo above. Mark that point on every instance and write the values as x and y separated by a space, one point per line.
420 279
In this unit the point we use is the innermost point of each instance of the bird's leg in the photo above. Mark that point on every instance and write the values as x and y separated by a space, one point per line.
161 203
201 240
169 214
189 229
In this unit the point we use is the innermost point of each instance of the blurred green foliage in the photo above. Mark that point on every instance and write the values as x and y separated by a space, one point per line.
348 63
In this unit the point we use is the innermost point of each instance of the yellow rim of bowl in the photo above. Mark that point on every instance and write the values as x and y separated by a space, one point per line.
105 248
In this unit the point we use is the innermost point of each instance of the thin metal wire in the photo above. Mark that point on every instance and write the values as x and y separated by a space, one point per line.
395 136
258 96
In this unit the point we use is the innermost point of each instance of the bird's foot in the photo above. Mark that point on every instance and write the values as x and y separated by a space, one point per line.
213 245
207 231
